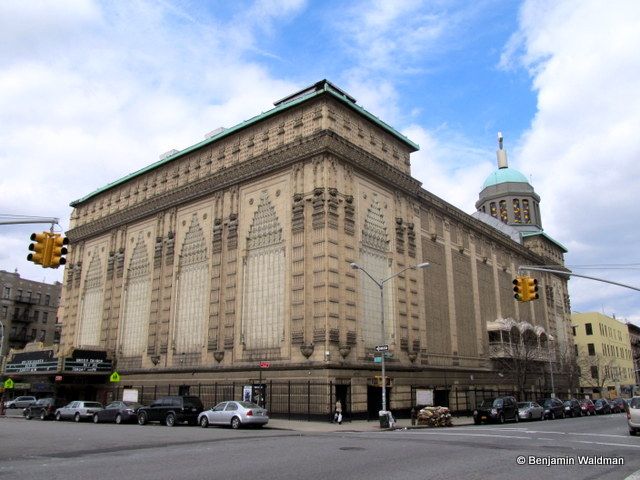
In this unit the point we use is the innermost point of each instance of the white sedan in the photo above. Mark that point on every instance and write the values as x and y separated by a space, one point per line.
234 414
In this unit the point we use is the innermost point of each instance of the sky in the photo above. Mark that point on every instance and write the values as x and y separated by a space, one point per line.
91 91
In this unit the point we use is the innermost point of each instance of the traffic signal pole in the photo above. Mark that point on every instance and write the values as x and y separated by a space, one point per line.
6 219
48 248
564 272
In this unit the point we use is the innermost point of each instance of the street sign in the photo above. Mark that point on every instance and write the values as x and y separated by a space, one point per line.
382 348
265 364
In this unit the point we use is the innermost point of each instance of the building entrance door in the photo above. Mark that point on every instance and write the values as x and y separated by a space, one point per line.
374 401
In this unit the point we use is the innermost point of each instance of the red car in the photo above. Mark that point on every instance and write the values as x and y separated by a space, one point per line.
588 407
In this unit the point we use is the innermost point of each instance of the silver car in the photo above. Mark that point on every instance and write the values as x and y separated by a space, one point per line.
530 411
632 407
234 414
20 402
78 410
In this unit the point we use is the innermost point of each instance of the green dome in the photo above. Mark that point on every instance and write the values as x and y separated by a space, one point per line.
504 175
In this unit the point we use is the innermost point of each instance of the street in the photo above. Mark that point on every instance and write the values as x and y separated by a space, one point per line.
66 450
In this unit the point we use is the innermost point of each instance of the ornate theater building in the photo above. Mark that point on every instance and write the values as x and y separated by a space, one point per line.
227 265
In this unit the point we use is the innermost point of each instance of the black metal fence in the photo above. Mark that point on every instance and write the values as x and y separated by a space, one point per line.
316 400
289 399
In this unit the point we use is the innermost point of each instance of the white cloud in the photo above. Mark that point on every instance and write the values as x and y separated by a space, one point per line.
94 91
583 145
449 166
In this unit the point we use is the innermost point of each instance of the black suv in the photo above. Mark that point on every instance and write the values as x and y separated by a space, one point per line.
496 410
572 408
553 408
172 410
44 408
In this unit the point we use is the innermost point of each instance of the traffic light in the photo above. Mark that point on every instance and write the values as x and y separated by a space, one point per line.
40 247
519 289
531 289
58 249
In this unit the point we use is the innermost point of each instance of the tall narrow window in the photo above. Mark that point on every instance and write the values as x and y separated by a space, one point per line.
373 254
135 321
517 214
92 304
264 278
493 210
526 215
504 216
193 284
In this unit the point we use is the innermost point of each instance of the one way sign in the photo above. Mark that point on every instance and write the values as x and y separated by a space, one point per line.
382 348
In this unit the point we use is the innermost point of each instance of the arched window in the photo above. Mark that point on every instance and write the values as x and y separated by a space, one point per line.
517 214
373 254
92 300
264 279
135 321
504 217
526 216
493 210
192 289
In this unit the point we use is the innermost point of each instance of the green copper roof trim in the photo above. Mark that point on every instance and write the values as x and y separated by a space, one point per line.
533 234
245 124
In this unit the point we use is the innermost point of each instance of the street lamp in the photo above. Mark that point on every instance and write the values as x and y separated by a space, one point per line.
380 284
553 395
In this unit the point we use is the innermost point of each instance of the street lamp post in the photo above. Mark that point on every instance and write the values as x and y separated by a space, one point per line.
380 284
551 371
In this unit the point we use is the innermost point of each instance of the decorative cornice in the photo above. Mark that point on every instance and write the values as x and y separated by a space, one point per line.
307 147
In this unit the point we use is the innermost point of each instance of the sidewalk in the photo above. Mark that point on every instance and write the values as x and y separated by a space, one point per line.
313 426
353 426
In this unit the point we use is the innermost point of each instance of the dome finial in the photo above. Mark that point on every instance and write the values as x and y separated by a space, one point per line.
501 153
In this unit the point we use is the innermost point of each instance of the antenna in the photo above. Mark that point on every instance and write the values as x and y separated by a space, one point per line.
501 153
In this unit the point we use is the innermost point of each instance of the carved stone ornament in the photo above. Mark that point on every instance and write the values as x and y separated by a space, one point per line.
306 350
413 356
345 350
219 355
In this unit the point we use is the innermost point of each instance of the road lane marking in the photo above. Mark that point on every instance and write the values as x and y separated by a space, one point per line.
462 434
608 443
545 432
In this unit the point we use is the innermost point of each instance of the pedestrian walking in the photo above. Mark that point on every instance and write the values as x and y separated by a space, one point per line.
338 415
414 415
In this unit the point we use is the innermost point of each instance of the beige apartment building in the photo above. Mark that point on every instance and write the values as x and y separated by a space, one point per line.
229 263
604 355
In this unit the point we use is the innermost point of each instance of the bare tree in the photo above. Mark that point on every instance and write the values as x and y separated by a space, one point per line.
597 371
519 356
568 366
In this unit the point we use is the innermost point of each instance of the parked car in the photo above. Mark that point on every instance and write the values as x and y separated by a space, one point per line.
496 410
632 408
78 410
572 408
619 405
530 411
172 410
44 408
602 407
118 412
20 402
587 406
234 414
553 408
